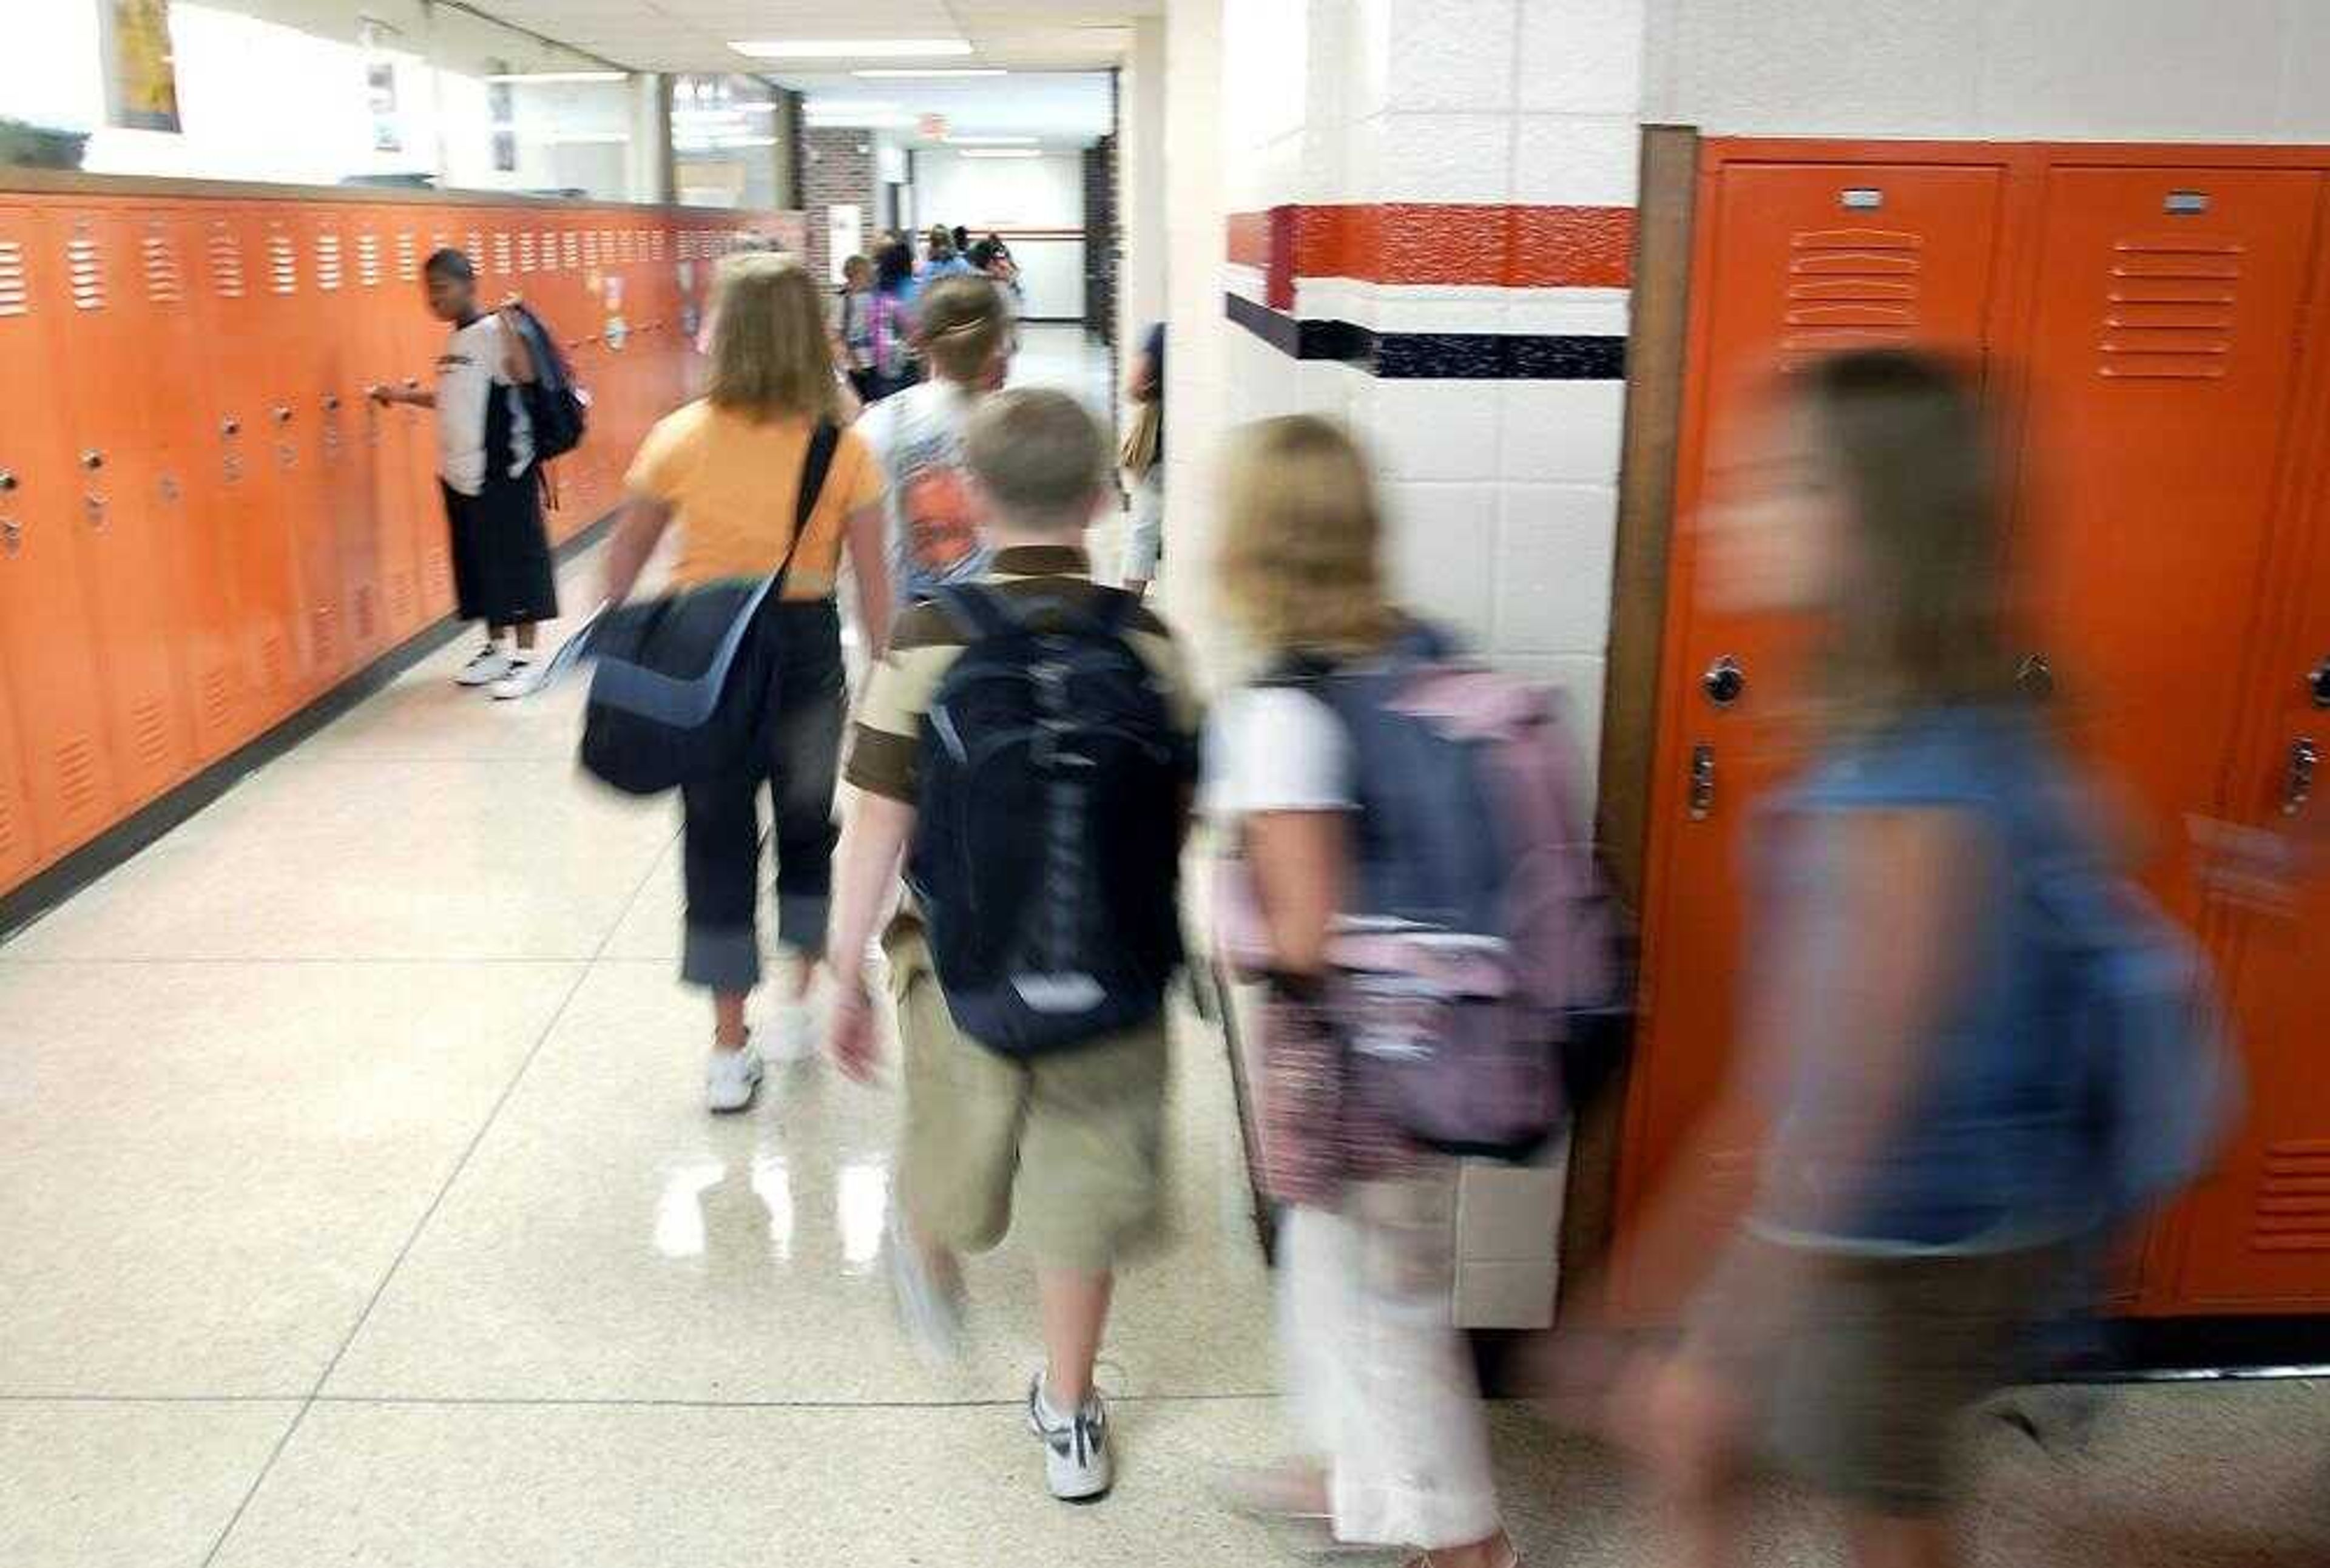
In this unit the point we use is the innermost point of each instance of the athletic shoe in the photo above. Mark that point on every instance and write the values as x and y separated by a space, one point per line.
524 680
485 667
795 1029
930 1309
730 1077
1075 1447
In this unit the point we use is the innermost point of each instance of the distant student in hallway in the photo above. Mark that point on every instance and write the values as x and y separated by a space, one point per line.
944 259
1144 464
918 433
502 575
853 327
727 472
1029 967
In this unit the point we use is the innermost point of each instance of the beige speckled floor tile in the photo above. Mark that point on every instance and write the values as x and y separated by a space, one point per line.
127 1485
206 1169
611 1239
317 858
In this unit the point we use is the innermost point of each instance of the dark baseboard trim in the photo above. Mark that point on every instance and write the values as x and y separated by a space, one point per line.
1435 355
23 904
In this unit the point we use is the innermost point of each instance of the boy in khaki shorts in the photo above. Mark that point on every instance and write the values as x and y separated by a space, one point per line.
1065 1144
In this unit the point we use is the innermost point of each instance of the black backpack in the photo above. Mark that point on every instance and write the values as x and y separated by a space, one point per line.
1047 852
680 682
556 408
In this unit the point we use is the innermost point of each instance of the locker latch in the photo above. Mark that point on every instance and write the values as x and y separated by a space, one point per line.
2318 683
2305 758
1702 782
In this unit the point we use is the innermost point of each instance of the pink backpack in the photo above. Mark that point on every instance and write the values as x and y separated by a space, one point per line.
1479 943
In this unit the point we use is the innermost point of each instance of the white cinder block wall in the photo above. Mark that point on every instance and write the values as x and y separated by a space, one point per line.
1472 344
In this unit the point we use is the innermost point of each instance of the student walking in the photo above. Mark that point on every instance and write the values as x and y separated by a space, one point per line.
1032 739
726 473
890 323
1381 1380
502 575
1144 535
1939 1018
918 435
854 326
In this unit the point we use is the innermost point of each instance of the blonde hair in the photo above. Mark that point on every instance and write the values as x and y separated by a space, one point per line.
770 353
1040 455
1301 569
961 326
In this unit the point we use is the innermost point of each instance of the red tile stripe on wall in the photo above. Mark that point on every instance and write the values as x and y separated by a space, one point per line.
1478 245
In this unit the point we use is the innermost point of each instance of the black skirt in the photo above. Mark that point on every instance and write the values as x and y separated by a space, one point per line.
501 553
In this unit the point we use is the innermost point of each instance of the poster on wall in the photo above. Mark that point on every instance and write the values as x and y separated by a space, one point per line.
141 78
379 85
844 230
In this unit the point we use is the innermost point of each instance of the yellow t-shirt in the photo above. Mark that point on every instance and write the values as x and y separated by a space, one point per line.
731 484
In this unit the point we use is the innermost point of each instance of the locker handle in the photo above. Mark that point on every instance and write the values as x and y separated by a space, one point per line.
412 384
1702 782
92 460
7 482
331 403
2035 677
2304 760
230 427
2318 683
282 413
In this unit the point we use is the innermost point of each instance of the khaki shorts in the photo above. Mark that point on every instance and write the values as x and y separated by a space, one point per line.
1862 1391
1066 1148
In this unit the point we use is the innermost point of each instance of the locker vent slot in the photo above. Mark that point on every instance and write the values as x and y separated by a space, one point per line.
328 636
218 697
475 250
272 665
14 298
12 846
77 776
149 734
688 244
502 253
329 272
2292 1205
164 284
408 256
400 597
570 245
367 617
2169 308
590 247
607 247
630 244
368 259
85 269
526 255
655 243
1853 288
226 265
282 263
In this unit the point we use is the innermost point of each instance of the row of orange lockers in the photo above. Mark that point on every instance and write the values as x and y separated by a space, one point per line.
204 522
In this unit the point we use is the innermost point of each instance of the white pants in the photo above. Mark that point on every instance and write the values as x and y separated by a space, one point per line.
1144 535
1381 1379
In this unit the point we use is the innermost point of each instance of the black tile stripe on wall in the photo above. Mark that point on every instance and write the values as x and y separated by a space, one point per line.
1436 355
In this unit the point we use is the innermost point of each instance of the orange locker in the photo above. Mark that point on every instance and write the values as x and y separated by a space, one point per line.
47 653
98 305
392 564
191 518
20 848
1797 260
2163 366
2258 1236
349 531
419 337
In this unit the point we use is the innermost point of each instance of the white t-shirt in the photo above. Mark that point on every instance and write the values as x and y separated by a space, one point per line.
469 372
1274 748
934 539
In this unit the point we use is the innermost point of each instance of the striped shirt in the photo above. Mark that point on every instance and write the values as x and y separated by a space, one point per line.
886 751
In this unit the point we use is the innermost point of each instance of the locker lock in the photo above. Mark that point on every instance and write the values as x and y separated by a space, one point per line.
282 413
92 460
2035 678
331 403
7 482
2317 684
230 426
1724 681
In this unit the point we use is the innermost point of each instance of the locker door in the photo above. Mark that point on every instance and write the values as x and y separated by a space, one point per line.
20 848
2163 361
2258 1235
98 305
249 489
348 544
383 238
293 386
419 337
1807 258
179 413
46 654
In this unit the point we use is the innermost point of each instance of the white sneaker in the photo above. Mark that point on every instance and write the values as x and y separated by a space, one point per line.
524 680
929 1309
730 1077
485 667
1076 1465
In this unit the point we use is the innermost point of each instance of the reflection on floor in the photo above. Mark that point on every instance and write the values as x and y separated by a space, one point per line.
356 1206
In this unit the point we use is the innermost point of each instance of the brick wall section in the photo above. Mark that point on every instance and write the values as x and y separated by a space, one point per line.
836 170
1104 239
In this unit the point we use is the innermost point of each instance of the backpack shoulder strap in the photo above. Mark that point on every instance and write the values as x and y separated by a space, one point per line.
978 611
816 464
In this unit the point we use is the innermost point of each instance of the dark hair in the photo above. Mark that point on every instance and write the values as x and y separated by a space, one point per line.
893 267
961 238
1923 617
982 255
449 262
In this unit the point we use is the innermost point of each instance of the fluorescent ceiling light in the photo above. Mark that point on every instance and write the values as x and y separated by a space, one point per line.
990 141
914 73
542 76
851 48
861 122
747 141
1001 152
850 106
